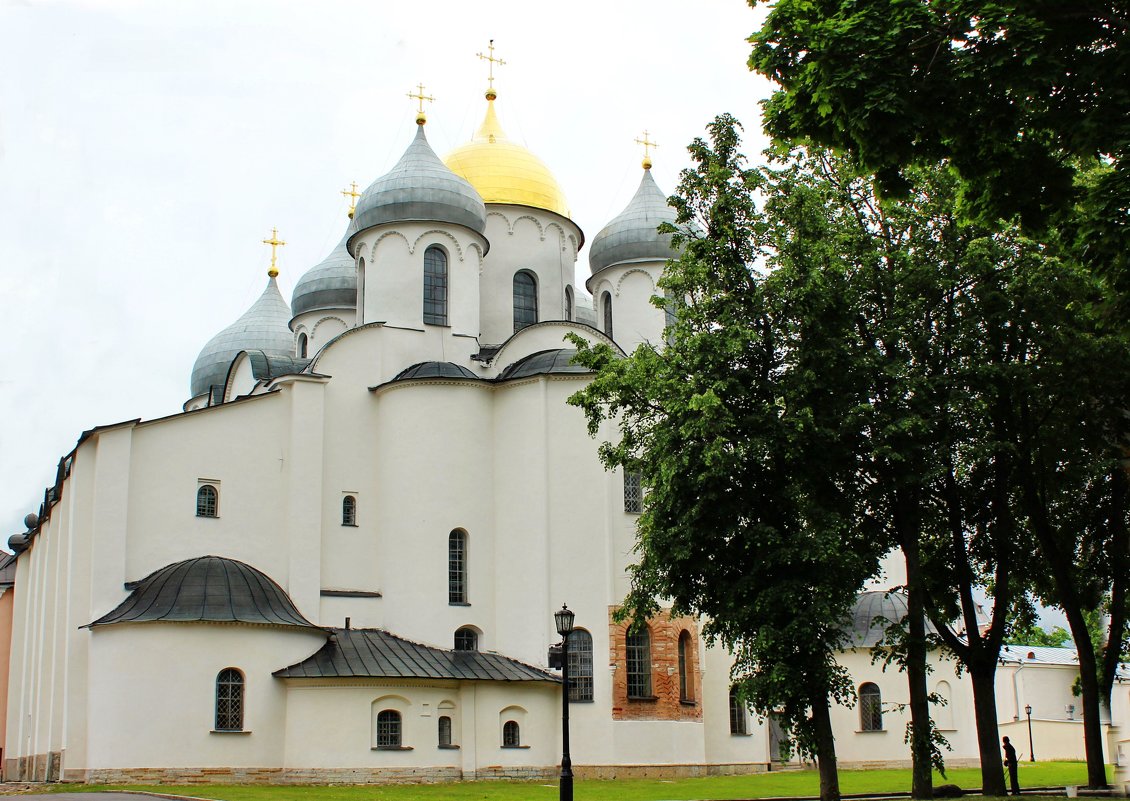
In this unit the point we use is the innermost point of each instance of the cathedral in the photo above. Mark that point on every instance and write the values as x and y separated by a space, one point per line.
341 561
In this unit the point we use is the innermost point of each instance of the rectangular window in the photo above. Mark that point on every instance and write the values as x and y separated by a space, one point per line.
638 652
737 713
633 492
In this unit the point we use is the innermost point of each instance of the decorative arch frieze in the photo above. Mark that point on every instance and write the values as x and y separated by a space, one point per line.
385 235
626 273
314 330
537 223
441 232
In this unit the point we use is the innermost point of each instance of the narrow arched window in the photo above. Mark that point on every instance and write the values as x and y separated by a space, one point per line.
638 657
435 286
388 729
444 731
686 667
207 501
568 303
633 492
511 736
349 511
303 343
229 700
361 291
525 300
870 708
737 713
580 666
606 314
457 567
466 639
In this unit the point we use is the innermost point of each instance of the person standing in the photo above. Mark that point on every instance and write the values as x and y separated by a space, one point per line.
1013 766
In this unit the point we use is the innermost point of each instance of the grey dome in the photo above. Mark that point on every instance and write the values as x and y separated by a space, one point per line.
331 284
544 362
207 589
632 235
434 370
419 187
265 326
873 613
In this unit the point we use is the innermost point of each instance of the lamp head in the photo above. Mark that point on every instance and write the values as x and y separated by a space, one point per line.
1028 709
564 620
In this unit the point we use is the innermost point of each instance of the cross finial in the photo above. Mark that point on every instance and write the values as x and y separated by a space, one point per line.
420 118
274 242
491 60
352 194
647 145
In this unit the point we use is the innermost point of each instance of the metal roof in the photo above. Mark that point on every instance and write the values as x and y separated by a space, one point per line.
434 370
330 284
544 362
874 612
632 236
272 365
8 569
207 589
374 653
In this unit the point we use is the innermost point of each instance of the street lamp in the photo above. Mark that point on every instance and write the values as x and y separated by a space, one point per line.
563 618
1031 750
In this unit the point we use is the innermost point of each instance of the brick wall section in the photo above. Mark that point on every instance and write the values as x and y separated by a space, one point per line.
667 705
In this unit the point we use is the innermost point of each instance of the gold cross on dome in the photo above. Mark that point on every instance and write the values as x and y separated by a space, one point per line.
491 60
352 194
421 97
647 145
274 242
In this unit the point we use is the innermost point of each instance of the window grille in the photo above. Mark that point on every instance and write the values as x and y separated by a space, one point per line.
457 568
466 639
737 713
606 307
686 667
349 511
444 731
870 708
388 729
510 738
525 300
435 286
633 492
229 700
206 501
638 651
580 666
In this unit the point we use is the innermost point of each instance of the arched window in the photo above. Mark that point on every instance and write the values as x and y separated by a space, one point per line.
457 567
633 492
207 501
435 286
941 706
303 343
738 715
638 652
510 735
361 291
229 700
870 708
349 511
580 666
388 729
568 303
606 313
466 639
444 731
525 299
686 667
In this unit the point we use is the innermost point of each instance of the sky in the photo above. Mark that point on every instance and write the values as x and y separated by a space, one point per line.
147 148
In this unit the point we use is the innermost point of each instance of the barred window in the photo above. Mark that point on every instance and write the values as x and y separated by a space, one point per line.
229 700
638 652
580 666
444 731
870 708
457 567
633 492
466 639
435 286
349 511
686 667
207 501
606 309
388 729
738 716
525 300
510 734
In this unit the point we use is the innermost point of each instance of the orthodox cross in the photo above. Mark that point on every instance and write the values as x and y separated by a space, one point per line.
274 242
420 119
352 194
490 70
647 145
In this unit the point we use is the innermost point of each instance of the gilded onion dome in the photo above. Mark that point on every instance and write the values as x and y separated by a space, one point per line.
505 172
331 284
419 187
632 235
265 326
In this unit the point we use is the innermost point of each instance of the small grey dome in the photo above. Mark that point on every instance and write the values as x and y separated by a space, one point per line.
632 235
265 326
331 284
207 589
544 362
434 370
873 613
419 187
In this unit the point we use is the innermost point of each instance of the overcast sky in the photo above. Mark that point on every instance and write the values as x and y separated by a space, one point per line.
147 147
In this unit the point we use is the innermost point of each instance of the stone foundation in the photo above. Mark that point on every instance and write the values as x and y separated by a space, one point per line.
687 771
37 768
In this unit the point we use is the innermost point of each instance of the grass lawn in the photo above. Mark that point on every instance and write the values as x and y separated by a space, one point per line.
764 785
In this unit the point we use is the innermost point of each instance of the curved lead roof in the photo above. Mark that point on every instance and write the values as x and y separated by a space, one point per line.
265 326
632 235
434 370
544 362
419 187
207 589
331 284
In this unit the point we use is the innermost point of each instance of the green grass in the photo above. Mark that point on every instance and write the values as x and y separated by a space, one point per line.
764 785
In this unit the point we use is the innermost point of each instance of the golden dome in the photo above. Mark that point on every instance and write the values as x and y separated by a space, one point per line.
504 172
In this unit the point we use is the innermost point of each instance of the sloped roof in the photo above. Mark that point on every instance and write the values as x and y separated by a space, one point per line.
434 370
7 570
374 653
544 362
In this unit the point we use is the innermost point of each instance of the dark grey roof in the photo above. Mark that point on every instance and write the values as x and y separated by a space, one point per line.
374 653
543 362
434 370
330 284
632 235
271 365
873 613
7 570
419 187
207 588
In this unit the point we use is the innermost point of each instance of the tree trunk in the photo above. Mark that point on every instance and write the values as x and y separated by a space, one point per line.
985 714
1089 684
825 750
922 780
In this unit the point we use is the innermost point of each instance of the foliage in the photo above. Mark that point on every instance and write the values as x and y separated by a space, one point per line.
1033 634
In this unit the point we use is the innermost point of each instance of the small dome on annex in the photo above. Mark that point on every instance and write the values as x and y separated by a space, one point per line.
632 236
330 284
544 362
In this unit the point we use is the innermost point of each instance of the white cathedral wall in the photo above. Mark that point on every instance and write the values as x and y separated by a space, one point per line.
634 319
722 747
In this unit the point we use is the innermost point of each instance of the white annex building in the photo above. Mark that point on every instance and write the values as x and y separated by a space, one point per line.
341 561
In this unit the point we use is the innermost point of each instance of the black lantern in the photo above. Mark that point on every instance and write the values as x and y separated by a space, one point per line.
1031 749
563 618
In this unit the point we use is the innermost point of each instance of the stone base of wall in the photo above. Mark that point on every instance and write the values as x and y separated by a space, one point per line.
688 771
883 764
37 768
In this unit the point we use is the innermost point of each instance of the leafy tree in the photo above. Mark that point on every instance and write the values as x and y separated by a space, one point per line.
1033 634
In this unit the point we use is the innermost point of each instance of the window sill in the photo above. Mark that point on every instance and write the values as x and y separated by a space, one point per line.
391 748
511 747
457 603
207 517
644 698
230 731
349 525
448 747
688 702
581 701
870 731
740 734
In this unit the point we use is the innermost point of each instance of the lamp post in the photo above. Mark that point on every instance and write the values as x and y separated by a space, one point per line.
1031 750
564 620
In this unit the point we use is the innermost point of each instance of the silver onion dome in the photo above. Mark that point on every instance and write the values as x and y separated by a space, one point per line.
632 235
265 327
331 284
419 187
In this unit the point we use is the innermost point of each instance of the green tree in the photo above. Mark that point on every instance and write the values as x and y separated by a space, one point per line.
1033 634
